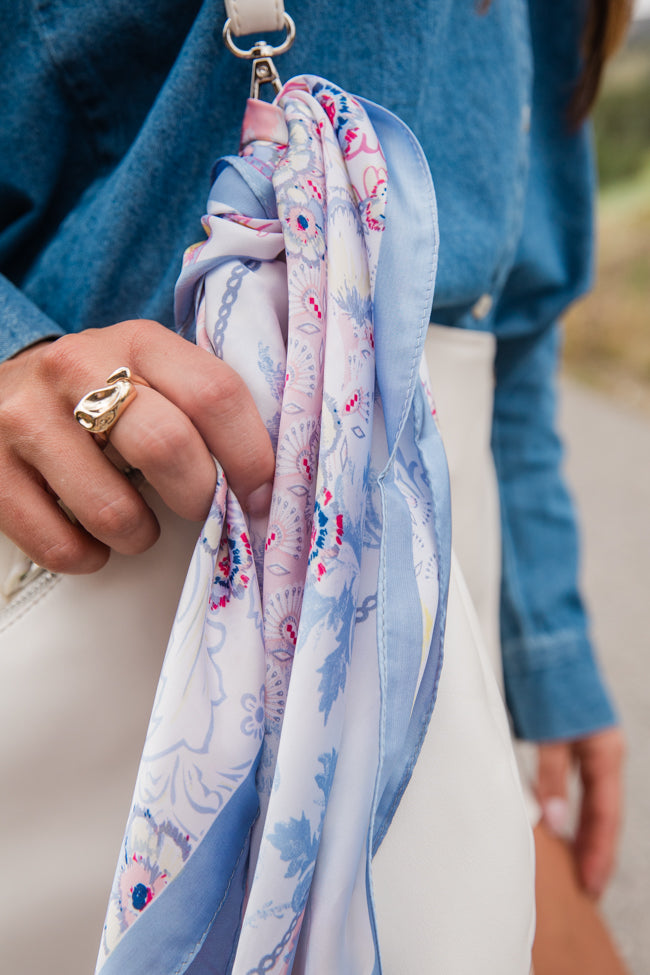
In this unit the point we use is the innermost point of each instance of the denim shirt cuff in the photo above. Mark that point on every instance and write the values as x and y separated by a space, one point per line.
553 688
22 323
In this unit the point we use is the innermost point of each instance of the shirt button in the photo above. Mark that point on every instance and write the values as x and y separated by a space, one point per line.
482 307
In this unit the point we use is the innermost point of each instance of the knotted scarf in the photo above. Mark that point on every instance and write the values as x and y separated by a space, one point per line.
303 663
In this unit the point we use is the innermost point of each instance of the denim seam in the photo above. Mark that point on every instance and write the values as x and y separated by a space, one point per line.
507 546
564 647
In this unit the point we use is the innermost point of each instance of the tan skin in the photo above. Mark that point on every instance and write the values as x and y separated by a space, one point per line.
197 408
571 938
570 877
598 759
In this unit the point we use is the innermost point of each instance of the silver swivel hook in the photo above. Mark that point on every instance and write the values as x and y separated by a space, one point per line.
264 71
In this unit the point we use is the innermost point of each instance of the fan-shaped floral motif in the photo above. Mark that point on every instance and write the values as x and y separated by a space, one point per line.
301 369
307 304
285 530
281 621
275 690
298 450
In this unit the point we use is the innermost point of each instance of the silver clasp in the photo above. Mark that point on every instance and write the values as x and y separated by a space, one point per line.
264 71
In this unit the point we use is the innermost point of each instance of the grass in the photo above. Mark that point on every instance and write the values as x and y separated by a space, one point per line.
622 115
608 334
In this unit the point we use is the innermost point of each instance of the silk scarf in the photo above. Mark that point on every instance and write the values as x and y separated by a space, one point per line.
303 663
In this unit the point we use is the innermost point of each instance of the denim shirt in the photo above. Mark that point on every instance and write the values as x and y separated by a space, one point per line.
113 114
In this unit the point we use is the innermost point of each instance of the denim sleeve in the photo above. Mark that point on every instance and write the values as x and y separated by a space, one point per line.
553 686
22 323
42 152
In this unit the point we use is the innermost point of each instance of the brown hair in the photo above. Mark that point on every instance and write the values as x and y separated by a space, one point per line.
605 28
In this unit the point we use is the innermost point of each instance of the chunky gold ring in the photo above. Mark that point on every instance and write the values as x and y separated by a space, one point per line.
100 409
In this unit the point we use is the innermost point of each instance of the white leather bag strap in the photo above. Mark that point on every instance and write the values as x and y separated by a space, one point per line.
255 16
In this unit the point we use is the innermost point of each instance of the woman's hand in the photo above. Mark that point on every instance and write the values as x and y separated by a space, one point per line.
599 761
197 407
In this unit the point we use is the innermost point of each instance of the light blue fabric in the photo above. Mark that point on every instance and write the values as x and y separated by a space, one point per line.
113 114
164 942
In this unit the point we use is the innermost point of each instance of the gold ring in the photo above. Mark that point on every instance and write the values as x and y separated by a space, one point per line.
100 409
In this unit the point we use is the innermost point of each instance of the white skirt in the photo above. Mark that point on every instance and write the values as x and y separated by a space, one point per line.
454 878
453 881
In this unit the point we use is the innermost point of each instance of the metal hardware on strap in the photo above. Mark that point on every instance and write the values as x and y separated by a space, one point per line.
260 48
264 72
261 53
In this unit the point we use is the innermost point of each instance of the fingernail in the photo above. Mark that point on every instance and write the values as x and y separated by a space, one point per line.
556 814
259 500
593 881
594 889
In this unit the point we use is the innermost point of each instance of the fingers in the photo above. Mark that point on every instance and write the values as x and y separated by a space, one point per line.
554 762
209 393
197 407
101 499
57 545
160 440
220 407
600 758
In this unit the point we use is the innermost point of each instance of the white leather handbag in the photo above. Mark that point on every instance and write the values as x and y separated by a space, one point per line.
79 664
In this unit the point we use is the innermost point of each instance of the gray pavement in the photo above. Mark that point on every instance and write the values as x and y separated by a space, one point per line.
608 466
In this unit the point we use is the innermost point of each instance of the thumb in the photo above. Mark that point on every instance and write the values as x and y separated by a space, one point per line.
554 762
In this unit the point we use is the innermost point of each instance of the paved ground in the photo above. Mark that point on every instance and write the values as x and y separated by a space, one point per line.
608 464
